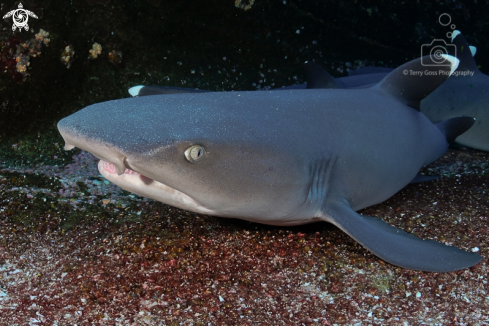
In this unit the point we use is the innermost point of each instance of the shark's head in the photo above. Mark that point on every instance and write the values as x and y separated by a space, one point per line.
194 156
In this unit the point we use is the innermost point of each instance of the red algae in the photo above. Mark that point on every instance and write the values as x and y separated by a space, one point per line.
15 55
8 52
157 265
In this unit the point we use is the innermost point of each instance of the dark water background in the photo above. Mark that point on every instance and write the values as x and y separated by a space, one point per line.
206 44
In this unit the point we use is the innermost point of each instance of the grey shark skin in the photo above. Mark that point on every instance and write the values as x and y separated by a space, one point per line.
280 158
463 95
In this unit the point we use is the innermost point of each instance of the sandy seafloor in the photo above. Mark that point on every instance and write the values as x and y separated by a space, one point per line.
94 255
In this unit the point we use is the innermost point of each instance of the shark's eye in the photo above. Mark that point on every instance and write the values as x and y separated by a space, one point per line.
195 153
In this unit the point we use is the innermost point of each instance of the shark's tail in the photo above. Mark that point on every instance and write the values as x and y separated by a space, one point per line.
454 127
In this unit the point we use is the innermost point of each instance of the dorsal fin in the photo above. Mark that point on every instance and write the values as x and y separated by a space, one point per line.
317 77
416 79
464 54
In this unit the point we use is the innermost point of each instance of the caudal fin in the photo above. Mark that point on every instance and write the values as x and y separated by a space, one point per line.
464 52
454 127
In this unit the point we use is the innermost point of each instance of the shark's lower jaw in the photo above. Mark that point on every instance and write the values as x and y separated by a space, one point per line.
139 184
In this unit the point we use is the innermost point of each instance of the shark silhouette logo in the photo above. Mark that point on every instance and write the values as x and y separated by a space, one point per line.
20 17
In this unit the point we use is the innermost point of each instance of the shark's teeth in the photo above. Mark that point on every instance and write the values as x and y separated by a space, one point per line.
111 168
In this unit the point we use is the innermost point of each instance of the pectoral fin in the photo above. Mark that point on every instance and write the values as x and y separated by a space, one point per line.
396 246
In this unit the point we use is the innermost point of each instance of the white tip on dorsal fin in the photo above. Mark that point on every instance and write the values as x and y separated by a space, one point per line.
473 50
454 62
454 34
134 91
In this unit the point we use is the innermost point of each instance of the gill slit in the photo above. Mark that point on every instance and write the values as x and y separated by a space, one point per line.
319 185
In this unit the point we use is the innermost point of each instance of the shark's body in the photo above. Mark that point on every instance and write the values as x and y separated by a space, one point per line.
466 93
279 158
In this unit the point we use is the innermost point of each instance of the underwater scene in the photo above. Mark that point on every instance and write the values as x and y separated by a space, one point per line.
247 162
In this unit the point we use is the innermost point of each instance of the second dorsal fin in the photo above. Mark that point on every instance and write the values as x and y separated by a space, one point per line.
416 79
317 77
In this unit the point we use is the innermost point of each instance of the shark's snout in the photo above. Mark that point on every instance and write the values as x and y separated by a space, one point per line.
115 167
73 138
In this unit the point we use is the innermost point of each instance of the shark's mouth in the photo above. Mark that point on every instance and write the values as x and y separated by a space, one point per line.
139 184
110 168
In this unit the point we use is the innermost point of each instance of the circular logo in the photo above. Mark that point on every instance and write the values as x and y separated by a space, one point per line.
437 54
444 19
20 17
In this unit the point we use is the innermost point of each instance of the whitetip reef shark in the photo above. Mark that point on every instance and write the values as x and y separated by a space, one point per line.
464 93
281 158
